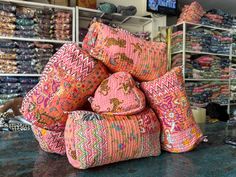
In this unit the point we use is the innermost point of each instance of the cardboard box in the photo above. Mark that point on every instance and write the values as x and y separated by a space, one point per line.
92 4
60 2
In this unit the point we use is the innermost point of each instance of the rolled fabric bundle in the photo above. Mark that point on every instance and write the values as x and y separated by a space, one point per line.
94 140
121 51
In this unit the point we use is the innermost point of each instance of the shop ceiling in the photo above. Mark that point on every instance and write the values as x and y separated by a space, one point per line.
227 5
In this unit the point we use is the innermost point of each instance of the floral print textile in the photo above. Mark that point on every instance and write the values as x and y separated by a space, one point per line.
167 97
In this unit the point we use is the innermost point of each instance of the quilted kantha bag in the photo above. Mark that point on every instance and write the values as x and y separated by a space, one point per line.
121 51
118 95
93 140
70 76
50 141
167 97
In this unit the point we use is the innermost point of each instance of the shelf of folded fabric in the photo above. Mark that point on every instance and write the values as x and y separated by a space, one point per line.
199 53
36 4
33 39
29 21
202 93
88 14
195 26
20 75
195 79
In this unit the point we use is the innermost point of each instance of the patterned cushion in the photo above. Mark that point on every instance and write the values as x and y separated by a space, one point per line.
118 95
68 79
168 98
121 51
50 141
93 140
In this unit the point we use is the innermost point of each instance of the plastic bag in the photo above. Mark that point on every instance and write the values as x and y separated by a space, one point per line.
8 79
7 43
24 12
10 85
7 56
7 7
9 26
7 50
63 32
7 14
28 80
63 26
25 51
30 33
26 28
6 32
23 44
43 12
9 96
9 91
25 57
5 19
8 62
24 22
66 15
62 20
43 45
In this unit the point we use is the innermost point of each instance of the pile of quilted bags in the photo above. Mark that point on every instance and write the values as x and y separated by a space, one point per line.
123 119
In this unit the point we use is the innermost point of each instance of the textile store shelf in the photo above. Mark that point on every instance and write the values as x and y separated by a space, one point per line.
21 75
206 79
34 39
88 14
37 5
194 26
200 53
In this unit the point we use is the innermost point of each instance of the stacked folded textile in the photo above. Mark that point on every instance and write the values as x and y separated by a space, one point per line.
43 52
204 40
44 23
7 20
201 93
25 22
25 55
191 13
62 25
12 87
8 57
203 67
217 17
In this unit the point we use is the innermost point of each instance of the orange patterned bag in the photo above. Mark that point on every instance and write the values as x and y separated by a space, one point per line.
121 51
94 140
70 76
167 97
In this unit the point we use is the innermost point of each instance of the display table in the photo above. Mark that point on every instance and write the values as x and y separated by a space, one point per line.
20 155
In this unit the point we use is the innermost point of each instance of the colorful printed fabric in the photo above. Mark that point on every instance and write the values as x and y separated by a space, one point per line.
118 95
94 140
121 51
191 13
67 80
50 141
167 97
